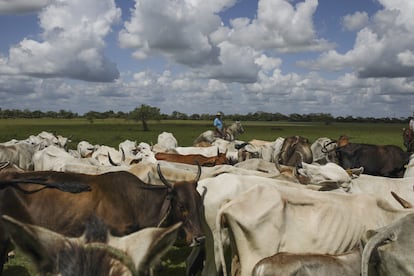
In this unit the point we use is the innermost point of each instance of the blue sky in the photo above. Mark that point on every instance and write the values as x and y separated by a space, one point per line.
343 57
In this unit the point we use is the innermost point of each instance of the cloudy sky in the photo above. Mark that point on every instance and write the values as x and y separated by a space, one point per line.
343 57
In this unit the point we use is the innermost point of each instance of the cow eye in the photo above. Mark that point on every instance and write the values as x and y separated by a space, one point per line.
392 237
182 208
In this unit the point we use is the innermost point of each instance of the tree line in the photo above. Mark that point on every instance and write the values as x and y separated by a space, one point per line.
144 113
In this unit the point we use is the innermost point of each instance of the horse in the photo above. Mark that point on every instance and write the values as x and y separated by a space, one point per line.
230 134
408 138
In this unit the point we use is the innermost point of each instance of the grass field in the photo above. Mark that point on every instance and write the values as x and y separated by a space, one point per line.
113 131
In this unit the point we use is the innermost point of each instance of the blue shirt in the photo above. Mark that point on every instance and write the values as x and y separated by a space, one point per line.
218 124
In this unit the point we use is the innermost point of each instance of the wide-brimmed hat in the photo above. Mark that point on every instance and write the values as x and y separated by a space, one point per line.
219 113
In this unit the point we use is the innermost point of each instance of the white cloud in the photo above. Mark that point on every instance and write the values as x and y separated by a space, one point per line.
381 49
191 33
22 6
355 21
73 42
406 58
280 26
179 30
238 67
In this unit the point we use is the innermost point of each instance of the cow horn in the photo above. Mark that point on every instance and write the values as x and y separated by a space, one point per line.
328 186
277 164
404 203
162 178
198 173
123 155
4 164
112 161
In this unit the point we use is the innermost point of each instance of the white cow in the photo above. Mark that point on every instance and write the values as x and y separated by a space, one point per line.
128 147
20 154
47 139
166 142
85 149
266 150
219 190
409 168
363 184
258 164
233 153
205 151
269 219
57 159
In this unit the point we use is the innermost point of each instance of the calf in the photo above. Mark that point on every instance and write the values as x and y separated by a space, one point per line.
289 264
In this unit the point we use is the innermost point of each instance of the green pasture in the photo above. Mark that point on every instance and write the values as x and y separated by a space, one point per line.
113 131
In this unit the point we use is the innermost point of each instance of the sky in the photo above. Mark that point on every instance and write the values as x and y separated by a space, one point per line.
342 57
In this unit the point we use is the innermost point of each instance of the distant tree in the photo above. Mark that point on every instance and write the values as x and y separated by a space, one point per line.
195 116
179 116
145 113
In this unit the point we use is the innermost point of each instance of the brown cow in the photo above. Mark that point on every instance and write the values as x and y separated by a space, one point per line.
193 159
120 199
378 160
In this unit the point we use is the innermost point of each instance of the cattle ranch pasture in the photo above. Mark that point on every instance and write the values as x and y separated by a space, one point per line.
113 131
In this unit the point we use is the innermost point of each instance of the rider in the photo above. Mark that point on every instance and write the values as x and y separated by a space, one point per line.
218 124
411 123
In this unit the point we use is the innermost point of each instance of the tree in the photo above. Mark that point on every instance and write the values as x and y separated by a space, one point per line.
145 113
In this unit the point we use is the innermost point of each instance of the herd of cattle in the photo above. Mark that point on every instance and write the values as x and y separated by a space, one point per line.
282 207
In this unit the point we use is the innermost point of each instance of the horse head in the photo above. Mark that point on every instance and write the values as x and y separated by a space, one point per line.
233 131
408 139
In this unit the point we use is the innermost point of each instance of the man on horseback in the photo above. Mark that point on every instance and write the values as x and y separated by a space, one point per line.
218 125
408 135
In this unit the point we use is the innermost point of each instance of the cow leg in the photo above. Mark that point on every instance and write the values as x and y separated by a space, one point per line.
195 261
235 266
5 247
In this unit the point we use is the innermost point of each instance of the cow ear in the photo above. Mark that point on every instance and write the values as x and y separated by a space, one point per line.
147 246
38 243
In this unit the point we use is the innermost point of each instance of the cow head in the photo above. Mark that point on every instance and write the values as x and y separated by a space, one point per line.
347 155
329 174
294 151
56 254
408 139
391 246
186 205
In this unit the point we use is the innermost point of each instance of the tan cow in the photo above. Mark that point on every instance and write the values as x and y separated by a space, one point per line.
269 219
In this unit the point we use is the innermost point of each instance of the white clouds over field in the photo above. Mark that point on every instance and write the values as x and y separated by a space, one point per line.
198 56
